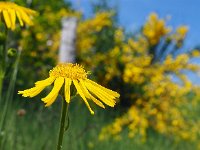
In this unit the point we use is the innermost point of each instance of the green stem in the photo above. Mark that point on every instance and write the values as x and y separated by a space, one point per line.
5 49
9 97
3 63
64 113
1 87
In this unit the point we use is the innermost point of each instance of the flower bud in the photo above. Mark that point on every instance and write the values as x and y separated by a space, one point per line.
12 52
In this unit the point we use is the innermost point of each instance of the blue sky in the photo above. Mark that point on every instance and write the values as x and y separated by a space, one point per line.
133 13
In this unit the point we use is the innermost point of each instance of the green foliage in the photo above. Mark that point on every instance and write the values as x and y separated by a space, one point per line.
37 129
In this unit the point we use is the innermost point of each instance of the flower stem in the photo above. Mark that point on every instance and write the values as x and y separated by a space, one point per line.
64 114
1 86
3 62
10 91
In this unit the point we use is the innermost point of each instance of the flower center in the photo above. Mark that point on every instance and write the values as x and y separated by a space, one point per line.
68 70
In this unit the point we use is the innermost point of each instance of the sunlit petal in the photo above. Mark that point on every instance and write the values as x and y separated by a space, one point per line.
67 89
110 92
80 92
7 18
90 96
51 97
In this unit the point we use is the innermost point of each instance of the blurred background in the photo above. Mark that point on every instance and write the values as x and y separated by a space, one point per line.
148 51
132 14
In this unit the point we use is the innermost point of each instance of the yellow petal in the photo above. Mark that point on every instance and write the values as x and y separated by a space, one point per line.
104 98
25 17
101 91
7 18
80 92
30 11
13 18
67 89
38 89
31 92
19 18
89 95
110 92
51 97
52 100
25 93
45 82
39 86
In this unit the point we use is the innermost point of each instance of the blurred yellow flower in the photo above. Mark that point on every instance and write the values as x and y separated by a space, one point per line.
10 11
67 73
155 28
182 30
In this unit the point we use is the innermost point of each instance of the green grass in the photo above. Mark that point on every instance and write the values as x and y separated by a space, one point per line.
37 130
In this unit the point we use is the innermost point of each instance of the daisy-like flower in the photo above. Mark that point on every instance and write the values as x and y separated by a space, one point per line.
67 74
10 11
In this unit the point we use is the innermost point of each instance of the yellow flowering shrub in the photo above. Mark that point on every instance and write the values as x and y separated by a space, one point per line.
154 29
87 35
155 91
179 35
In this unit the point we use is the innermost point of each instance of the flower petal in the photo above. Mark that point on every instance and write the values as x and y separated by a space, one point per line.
38 89
32 91
102 90
51 101
110 92
45 82
30 11
13 18
7 18
39 86
90 96
80 92
19 18
107 99
51 97
67 89
25 17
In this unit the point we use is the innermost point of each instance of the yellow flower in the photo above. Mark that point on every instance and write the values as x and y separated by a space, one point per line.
10 11
155 28
66 74
182 30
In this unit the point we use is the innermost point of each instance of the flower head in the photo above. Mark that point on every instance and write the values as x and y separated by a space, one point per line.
10 11
67 74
